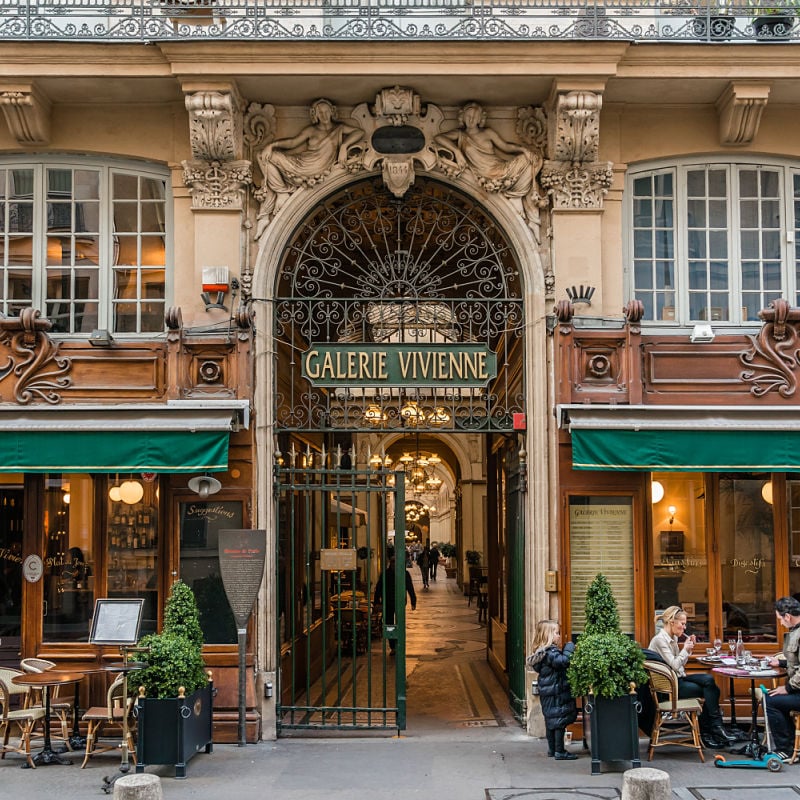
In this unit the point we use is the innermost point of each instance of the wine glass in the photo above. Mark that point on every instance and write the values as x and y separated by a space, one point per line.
732 647
717 646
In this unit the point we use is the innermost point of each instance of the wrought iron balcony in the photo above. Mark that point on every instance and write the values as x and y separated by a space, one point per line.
398 20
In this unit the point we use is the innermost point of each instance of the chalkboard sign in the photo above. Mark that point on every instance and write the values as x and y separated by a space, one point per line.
116 621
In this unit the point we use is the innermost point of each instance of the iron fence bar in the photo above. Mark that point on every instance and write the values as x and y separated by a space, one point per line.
400 597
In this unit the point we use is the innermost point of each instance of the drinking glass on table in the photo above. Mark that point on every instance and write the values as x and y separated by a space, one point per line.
732 647
717 646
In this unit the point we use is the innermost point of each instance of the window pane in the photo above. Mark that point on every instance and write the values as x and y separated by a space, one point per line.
750 244
20 217
748 183
643 275
747 558
718 244
665 274
126 217
643 212
793 493
69 566
696 214
719 275
663 244
59 183
20 250
680 566
153 284
696 183
19 284
751 279
199 569
127 252
697 275
718 213
643 244
771 242
662 184
152 216
125 317
664 213
125 284
717 183
772 276
85 317
87 184
125 187
133 544
748 214
152 317
152 251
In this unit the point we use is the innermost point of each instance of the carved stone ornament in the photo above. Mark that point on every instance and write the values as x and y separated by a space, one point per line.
772 361
27 112
398 134
415 132
216 185
575 132
740 108
215 125
577 186
40 372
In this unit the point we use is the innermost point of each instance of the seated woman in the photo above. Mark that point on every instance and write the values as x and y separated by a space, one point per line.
699 684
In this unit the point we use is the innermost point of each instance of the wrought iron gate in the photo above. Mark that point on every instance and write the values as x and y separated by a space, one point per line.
342 656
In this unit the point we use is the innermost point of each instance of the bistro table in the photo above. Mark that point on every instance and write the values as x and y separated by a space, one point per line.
46 680
753 747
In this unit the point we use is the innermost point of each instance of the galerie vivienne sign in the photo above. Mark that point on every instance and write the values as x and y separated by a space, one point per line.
399 365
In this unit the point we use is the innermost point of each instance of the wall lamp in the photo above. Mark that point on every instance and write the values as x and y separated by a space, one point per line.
100 337
204 485
701 333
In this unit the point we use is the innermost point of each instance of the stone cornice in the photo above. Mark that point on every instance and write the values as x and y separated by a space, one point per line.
27 112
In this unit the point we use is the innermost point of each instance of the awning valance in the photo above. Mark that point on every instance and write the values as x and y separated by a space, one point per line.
680 438
178 436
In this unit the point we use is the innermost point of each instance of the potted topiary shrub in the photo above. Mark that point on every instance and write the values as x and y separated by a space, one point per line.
175 704
605 669
449 552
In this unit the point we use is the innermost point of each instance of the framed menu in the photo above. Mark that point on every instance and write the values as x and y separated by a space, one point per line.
116 621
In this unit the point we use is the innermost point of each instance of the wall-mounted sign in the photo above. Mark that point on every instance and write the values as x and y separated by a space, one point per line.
242 553
399 365
338 559
32 569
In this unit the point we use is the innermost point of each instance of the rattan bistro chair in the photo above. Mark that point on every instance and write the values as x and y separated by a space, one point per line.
22 718
677 721
109 714
60 708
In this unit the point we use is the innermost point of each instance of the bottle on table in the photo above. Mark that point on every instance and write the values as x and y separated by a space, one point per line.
739 650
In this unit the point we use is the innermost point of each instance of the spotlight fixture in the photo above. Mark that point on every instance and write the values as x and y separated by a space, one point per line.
100 337
701 333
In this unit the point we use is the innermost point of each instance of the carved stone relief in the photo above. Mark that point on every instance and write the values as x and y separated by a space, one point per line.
217 175
40 372
574 177
27 112
398 133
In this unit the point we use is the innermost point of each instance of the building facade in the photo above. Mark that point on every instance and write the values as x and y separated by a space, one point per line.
260 261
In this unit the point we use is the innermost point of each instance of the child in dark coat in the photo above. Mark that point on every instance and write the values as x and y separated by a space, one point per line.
558 704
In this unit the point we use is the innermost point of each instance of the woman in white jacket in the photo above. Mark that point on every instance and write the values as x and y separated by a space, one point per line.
696 684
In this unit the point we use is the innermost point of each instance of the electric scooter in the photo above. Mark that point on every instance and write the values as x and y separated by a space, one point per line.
765 757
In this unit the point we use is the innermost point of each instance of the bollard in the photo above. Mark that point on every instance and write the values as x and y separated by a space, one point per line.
646 783
138 787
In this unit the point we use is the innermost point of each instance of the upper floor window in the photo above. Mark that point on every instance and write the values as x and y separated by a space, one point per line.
713 242
86 243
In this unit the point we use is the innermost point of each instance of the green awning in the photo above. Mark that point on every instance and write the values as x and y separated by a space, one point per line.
174 437
678 438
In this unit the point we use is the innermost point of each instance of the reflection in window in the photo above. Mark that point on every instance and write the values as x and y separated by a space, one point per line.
133 542
200 523
680 568
747 557
69 567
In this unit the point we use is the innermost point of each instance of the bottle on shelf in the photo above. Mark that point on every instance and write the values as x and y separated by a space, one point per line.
739 649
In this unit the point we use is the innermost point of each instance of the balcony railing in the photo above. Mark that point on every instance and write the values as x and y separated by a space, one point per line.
411 20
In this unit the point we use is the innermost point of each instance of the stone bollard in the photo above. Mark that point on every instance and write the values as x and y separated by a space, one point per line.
646 783
141 786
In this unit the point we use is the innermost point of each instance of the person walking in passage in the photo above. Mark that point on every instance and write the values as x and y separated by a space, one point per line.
558 704
384 595
424 564
435 556
786 698
697 684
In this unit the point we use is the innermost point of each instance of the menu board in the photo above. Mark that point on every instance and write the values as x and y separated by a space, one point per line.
116 621
601 540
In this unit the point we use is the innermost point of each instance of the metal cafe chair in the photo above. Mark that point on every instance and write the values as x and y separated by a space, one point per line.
23 718
677 721
59 707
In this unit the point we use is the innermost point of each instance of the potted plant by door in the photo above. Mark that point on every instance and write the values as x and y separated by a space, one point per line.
175 704
605 670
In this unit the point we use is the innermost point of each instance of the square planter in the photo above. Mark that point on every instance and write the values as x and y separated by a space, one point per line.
613 730
172 729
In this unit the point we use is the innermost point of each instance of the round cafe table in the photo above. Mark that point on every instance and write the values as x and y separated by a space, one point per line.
45 680
753 748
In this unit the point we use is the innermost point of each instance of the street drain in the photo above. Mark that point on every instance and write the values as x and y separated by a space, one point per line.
745 792
481 723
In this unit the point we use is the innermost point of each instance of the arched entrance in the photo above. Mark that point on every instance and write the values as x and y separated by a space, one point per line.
398 332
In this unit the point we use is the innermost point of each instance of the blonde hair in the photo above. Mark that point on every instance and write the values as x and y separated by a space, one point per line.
546 632
668 615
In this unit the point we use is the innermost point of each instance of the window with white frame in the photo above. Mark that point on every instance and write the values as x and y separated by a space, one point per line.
713 242
86 243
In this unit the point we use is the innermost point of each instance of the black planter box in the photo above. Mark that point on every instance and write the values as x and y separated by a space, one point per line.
171 730
613 729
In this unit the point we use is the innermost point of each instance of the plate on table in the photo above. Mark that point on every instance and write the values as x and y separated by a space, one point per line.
710 659
763 673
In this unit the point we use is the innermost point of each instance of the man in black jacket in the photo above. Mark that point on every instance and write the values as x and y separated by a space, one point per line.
384 595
